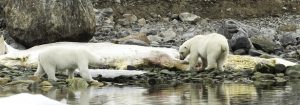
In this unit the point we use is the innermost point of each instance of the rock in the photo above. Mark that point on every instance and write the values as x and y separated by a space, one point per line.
77 83
135 39
238 34
35 22
264 68
168 35
142 22
46 84
2 23
240 52
96 83
188 17
128 19
254 52
104 17
175 16
288 38
264 44
240 40
280 68
280 79
167 72
4 81
263 76
293 72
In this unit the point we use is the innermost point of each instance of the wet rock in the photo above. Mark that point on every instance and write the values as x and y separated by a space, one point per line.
263 76
280 68
35 78
32 23
167 72
96 83
264 68
188 17
280 79
293 72
77 83
46 84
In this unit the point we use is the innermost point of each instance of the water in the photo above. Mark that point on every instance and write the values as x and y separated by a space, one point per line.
183 94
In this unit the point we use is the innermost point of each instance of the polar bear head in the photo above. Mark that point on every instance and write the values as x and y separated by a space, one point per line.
184 50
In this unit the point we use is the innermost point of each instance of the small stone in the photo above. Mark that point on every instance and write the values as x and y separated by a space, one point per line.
46 84
280 79
188 17
96 83
4 81
240 52
141 22
167 72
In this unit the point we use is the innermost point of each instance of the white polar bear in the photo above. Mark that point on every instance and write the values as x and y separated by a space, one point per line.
65 58
212 49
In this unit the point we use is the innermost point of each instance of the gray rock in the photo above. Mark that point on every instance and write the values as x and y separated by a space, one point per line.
134 42
168 35
238 34
154 38
263 76
104 17
127 19
188 17
34 22
293 72
264 44
240 52
142 22
288 38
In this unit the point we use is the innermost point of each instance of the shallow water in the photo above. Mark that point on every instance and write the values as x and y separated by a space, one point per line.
183 94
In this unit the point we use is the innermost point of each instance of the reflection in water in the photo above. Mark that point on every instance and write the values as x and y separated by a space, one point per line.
184 94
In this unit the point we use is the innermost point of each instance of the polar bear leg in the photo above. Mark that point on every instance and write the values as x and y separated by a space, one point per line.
221 60
71 73
50 71
212 61
39 72
204 63
193 61
84 71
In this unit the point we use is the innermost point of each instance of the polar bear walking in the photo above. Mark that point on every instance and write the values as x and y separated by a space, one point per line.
212 49
65 58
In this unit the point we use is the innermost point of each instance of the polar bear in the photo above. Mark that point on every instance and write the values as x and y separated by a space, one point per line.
211 48
65 58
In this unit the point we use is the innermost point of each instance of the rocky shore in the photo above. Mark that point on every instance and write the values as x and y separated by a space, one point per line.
264 37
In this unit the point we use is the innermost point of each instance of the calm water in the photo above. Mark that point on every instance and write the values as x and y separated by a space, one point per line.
184 94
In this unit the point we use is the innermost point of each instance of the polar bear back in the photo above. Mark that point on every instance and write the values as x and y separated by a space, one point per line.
209 42
66 57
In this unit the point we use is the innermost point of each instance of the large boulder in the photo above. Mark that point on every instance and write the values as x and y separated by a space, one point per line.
34 22
237 34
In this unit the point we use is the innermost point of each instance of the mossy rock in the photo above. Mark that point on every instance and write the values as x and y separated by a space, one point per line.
77 83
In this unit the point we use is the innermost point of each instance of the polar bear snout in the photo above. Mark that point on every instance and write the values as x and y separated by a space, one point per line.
181 57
